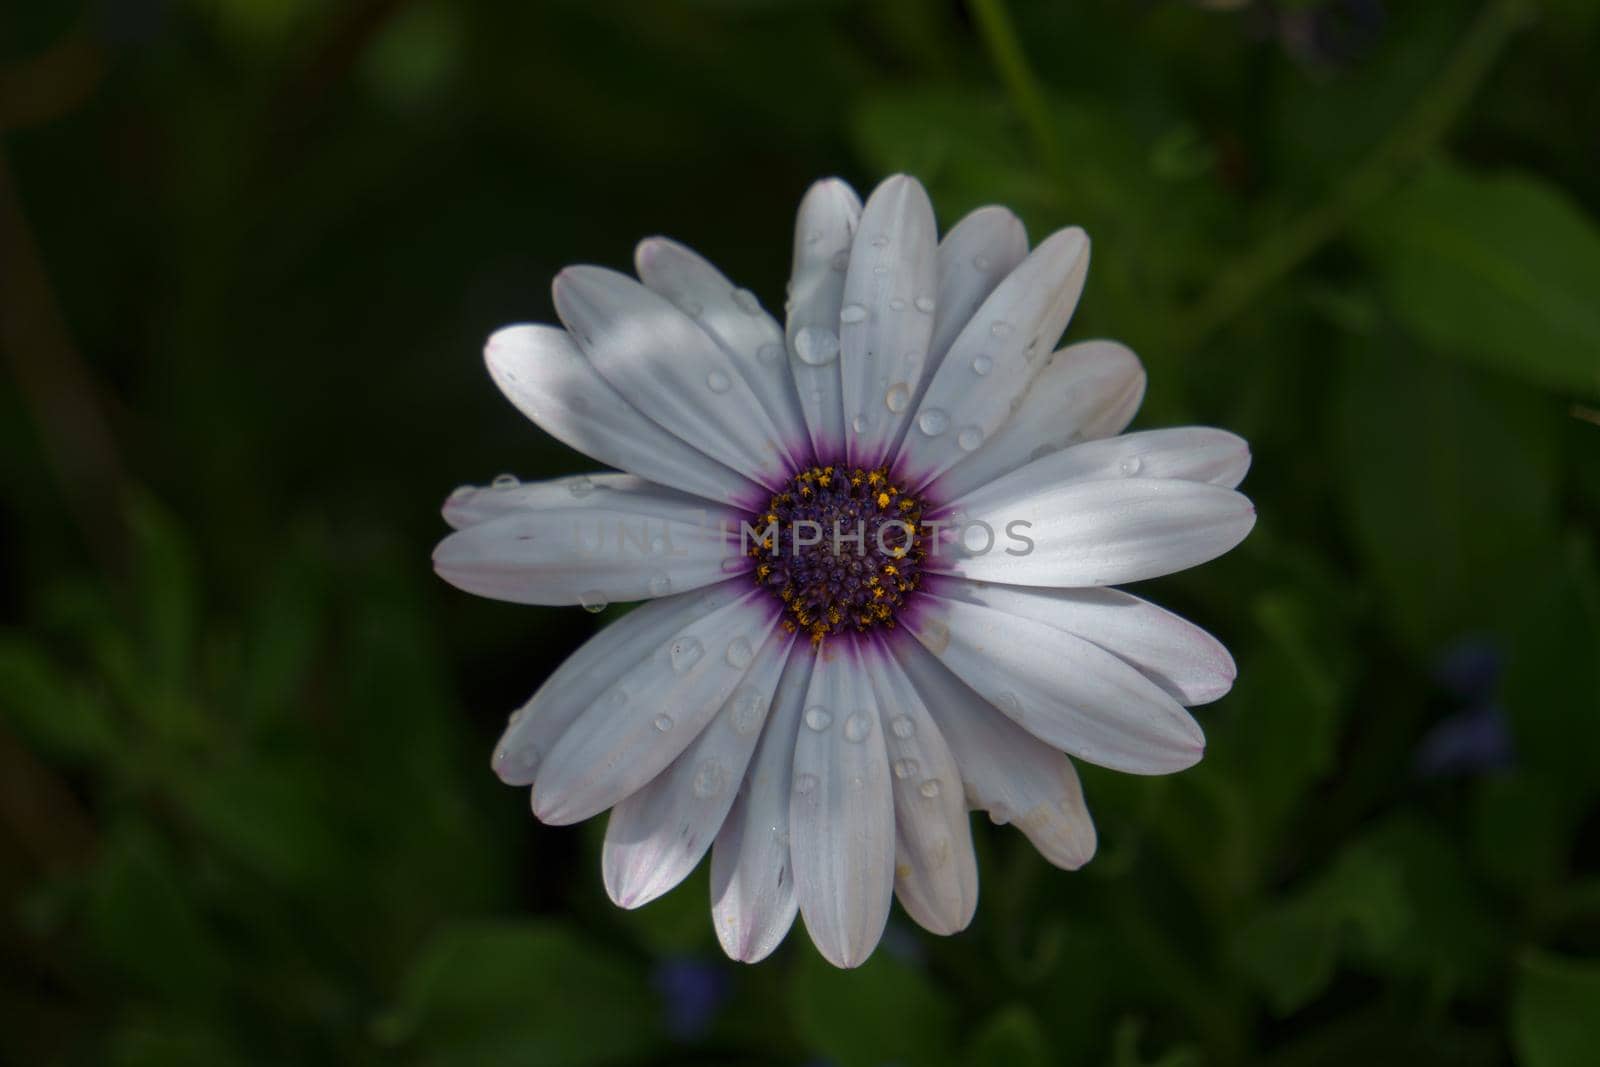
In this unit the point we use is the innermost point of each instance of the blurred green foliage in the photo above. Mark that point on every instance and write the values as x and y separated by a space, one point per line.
249 252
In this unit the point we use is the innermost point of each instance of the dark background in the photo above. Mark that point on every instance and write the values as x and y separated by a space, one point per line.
249 251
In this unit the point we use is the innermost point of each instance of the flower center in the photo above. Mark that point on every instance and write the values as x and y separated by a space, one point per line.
841 547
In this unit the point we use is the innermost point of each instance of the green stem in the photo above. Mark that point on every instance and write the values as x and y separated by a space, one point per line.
1005 50
1434 112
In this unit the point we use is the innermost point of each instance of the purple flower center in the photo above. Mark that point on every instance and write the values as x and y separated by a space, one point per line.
842 548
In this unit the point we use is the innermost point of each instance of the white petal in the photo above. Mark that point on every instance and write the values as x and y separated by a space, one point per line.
542 372
667 367
1171 651
841 812
618 539
1100 533
1185 453
752 878
1065 691
734 319
655 837
1005 770
995 356
936 873
883 329
823 232
584 676
977 253
1087 391
652 712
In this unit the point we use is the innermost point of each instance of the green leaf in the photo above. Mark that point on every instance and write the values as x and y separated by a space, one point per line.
1449 487
884 1011
484 993
1504 270
1011 1036
1554 1016
64 720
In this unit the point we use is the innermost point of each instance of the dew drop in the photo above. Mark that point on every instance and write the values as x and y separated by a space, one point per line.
981 262
857 727
905 768
902 727
1000 328
1008 703
852 313
1131 466
816 346
859 424
818 718
517 715
969 439
660 585
505 481
925 304
663 723
769 353
930 788
897 304
898 396
580 487
933 422
593 601
804 783
616 697
880 269
718 382
710 779
982 365
685 652
749 709
747 301
999 814
739 652
880 241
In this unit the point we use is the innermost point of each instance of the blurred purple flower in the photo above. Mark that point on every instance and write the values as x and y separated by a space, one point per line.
692 992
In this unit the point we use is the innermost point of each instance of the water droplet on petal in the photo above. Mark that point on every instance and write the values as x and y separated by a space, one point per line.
818 718
815 346
999 814
969 439
804 783
710 779
1008 703
981 262
852 313
925 304
505 481
859 424
933 422
902 727
905 768
616 697
897 304
663 723
1000 328
685 652
718 382
898 396
593 601
930 788
747 301
880 241
982 365
581 486
660 585
857 727
1131 466
739 652
749 709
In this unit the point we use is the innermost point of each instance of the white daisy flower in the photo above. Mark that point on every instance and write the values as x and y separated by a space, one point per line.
877 544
